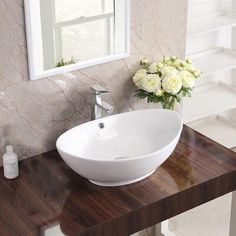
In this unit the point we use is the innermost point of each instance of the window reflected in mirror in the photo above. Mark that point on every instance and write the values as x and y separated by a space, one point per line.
74 34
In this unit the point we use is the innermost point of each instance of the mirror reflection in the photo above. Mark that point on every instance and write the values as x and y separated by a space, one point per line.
67 32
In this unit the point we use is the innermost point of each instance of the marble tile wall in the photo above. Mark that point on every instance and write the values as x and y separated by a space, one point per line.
34 113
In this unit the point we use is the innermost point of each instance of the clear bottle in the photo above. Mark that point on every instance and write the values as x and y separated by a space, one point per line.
10 163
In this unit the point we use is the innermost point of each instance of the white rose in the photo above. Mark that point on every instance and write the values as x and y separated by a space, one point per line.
172 83
189 67
168 70
160 65
151 83
173 58
197 73
139 76
188 80
159 92
153 68
169 63
189 61
177 63
144 61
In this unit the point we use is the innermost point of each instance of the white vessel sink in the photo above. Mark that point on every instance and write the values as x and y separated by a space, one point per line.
127 149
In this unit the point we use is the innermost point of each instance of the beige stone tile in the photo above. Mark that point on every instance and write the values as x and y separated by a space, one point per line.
35 113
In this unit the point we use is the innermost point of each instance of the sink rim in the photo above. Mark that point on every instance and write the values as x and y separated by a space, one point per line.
180 119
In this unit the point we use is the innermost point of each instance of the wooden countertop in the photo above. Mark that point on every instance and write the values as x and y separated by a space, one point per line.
48 193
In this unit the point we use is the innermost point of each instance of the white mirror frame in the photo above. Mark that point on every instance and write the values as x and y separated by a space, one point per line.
80 65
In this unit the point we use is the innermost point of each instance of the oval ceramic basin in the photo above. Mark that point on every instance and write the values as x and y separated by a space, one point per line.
127 149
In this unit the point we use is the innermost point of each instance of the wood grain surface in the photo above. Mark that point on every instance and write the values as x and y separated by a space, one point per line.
48 194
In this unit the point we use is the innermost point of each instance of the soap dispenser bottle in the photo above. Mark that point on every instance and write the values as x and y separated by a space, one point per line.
10 163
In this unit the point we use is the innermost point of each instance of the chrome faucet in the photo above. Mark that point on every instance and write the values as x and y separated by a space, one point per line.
98 106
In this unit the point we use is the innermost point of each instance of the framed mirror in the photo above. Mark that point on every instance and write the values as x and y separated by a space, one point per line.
67 35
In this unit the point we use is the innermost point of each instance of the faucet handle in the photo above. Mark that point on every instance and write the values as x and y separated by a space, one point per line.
97 89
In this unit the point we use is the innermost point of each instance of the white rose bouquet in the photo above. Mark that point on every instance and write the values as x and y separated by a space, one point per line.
166 82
